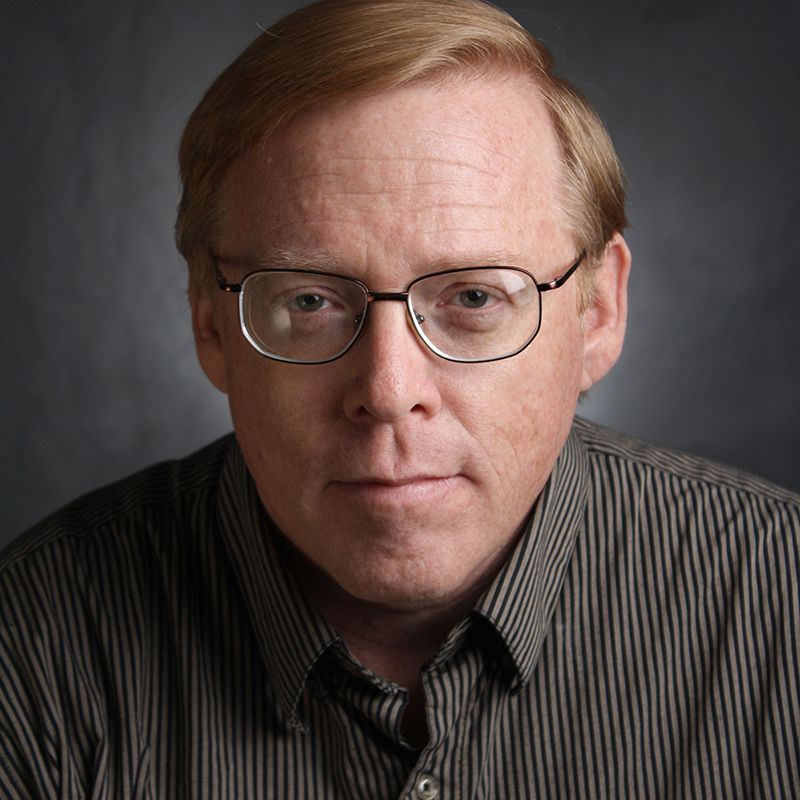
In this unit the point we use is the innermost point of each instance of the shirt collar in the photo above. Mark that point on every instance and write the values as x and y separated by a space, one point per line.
520 602
290 634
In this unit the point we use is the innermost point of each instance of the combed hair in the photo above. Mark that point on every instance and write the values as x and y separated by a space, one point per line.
342 49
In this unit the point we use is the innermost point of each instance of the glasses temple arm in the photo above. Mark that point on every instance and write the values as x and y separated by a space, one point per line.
560 281
222 281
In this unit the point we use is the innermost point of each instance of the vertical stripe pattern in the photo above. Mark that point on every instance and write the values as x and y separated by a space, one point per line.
643 641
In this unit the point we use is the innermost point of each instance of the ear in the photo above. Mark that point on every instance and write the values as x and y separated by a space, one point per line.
607 314
207 339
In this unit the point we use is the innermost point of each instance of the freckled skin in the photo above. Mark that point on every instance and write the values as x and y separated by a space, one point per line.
402 478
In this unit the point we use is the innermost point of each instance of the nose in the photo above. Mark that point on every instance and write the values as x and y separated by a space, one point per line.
392 370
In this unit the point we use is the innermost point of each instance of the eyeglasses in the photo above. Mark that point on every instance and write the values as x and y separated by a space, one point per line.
469 315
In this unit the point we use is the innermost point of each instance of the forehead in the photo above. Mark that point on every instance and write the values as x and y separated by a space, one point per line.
467 161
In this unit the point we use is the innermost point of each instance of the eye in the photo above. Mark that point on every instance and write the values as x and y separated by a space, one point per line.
472 298
469 297
308 302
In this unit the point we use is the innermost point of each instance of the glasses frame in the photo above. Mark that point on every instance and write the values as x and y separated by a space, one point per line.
238 288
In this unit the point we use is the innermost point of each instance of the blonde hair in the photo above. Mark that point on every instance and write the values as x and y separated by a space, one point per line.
335 49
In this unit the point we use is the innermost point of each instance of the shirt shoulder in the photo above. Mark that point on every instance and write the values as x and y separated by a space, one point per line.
164 490
643 462
88 603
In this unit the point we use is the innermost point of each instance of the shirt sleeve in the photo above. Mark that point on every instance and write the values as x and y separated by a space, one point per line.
31 731
52 737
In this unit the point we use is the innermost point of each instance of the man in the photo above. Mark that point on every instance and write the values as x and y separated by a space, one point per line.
412 573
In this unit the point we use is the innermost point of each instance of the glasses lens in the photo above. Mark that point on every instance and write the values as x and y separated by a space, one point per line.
477 314
302 317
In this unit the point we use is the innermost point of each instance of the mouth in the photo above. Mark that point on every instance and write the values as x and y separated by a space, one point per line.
399 491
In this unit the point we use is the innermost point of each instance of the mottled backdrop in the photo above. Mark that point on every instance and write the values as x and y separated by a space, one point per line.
99 375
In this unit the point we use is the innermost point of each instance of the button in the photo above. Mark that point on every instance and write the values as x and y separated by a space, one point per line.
427 787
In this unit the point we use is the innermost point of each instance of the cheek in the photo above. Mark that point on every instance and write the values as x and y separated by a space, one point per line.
279 412
527 410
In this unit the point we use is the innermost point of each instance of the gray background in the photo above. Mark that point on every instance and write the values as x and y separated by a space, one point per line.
99 375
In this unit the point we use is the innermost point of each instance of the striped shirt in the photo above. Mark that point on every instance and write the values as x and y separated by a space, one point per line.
642 641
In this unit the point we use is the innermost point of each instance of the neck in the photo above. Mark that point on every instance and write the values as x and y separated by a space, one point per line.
374 631
392 642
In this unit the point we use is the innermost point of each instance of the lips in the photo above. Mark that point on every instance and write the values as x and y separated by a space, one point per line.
397 481
411 489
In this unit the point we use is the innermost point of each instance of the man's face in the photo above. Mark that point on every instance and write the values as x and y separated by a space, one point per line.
406 478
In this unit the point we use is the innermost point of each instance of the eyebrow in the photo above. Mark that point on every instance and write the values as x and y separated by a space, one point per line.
320 261
302 258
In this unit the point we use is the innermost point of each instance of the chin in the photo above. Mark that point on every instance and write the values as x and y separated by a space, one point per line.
409 587
405 596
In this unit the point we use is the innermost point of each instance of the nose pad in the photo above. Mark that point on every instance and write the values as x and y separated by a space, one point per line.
411 316
392 368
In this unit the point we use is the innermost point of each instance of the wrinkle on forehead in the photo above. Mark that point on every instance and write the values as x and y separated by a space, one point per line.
432 150
319 260
353 173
